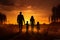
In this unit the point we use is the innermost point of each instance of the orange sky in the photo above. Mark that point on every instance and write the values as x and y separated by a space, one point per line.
38 16
40 9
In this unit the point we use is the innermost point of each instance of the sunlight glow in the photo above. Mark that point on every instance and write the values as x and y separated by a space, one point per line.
12 19
27 15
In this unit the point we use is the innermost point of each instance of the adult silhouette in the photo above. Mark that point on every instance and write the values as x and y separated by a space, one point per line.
20 20
27 26
38 26
32 21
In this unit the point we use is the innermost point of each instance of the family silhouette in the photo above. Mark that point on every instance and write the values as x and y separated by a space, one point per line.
20 20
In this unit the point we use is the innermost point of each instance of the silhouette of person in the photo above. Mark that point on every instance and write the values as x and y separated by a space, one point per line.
20 20
27 26
32 21
38 26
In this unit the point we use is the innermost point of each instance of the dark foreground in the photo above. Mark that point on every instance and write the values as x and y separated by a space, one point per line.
29 36
11 32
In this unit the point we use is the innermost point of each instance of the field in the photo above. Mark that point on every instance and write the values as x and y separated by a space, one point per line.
46 32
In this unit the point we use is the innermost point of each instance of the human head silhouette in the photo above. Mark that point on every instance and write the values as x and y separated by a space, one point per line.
37 22
20 13
27 22
32 17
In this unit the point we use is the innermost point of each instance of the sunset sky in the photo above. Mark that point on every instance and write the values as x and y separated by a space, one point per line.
40 9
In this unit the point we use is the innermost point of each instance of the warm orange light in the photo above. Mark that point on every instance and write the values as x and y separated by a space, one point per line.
12 19
29 7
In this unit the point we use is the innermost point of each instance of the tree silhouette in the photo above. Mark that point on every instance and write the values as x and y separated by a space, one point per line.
56 13
2 18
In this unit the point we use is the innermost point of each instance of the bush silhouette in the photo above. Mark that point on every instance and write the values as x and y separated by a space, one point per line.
2 18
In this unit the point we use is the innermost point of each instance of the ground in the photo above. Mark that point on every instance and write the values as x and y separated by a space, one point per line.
46 32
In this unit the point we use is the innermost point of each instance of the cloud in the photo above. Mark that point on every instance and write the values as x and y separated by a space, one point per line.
7 2
12 7
6 5
9 5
